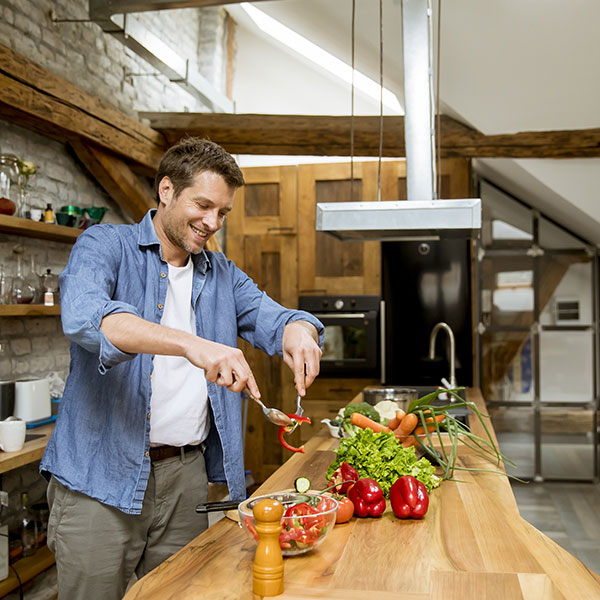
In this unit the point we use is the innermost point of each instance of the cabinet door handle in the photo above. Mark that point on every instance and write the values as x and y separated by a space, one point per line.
282 230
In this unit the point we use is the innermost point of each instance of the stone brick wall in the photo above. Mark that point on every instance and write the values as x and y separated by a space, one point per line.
98 63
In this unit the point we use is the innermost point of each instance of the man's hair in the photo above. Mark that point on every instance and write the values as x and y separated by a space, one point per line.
192 155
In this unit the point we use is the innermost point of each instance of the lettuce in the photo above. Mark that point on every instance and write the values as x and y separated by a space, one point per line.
380 457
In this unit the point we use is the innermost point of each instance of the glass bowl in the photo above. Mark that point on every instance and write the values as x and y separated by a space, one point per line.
306 522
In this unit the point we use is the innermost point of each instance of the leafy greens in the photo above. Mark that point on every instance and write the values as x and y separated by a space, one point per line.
380 457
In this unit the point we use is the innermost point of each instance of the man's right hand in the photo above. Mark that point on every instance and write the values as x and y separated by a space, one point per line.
223 365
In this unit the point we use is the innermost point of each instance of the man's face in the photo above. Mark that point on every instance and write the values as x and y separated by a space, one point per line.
191 218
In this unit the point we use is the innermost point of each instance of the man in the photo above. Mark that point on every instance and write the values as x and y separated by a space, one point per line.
151 407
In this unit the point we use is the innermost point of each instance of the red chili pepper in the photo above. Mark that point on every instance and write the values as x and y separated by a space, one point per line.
409 498
367 497
285 429
343 478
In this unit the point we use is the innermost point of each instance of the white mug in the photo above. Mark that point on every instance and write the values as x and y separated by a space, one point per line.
12 434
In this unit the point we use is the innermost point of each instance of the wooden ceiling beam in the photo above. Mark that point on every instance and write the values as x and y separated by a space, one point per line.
35 98
118 180
330 136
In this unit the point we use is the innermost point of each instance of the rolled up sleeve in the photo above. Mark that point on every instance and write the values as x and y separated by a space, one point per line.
87 286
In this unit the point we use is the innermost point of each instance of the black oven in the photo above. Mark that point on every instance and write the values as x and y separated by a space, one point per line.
352 334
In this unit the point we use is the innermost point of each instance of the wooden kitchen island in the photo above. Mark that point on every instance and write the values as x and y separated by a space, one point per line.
472 544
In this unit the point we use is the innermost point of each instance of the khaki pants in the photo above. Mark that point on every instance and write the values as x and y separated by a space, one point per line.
98 548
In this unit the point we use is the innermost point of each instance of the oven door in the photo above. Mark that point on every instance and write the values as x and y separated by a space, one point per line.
351 346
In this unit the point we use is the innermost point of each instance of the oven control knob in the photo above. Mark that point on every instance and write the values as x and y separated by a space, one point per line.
339 304
325 303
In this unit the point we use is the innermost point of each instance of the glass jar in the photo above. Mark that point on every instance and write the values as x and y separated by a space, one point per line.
9 174
34 279
22 291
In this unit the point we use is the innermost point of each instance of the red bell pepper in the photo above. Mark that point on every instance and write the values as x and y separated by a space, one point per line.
367 497
285 429
409 498
343 478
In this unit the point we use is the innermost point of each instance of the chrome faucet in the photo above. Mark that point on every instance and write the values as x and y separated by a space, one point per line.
432 339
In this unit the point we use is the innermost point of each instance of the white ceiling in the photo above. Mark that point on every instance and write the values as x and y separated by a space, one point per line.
505 66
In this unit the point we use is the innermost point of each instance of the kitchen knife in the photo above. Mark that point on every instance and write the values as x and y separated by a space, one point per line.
216 506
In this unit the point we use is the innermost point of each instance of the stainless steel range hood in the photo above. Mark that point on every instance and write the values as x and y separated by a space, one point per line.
404 220
422 216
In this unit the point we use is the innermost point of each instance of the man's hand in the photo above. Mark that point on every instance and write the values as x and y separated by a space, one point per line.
222 364
301 353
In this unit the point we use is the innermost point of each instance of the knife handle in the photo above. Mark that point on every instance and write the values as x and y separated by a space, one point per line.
216 506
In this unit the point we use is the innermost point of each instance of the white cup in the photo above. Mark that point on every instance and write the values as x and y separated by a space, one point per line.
12 434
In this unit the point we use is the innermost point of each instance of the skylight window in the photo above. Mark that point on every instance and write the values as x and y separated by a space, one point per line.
322 58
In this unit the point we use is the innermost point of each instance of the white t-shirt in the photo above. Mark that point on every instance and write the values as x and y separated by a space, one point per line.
179 402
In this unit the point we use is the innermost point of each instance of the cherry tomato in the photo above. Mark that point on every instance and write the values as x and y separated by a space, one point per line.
345 510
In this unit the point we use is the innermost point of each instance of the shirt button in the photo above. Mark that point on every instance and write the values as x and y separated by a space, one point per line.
160 307
148 415
146 454
163 275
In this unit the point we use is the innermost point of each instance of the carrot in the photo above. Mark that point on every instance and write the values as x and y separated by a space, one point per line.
408 423
421 430
438 418
395 420
363 422
410 441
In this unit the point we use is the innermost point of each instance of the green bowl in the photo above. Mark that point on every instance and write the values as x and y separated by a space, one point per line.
64 218
95 212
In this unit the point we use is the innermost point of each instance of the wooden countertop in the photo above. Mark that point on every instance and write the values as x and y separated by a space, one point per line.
472 544
30 452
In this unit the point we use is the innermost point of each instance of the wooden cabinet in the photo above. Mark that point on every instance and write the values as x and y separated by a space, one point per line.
261 240
454 179
327 265
266 204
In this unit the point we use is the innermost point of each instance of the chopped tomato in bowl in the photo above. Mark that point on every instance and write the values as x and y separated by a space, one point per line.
307 520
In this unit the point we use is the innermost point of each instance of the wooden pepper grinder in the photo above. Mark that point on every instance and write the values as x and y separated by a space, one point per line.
268 560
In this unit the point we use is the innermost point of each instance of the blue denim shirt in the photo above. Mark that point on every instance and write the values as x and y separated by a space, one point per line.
102 436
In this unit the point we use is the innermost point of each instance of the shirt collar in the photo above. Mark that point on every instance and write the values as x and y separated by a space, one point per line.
147 237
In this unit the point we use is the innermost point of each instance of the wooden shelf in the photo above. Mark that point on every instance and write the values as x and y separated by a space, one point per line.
28 310
35 229
27 568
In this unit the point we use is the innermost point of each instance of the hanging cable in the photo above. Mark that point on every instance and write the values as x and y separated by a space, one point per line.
437 100
352 106
380 98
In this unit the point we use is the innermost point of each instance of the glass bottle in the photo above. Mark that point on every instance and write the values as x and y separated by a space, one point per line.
34 280
8 178
50 288
49 214
22 292
5 287
29 533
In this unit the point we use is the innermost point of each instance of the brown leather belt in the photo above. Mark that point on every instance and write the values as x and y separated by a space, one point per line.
162 452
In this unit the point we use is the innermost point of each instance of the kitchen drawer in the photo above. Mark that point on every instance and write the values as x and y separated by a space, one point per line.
340 390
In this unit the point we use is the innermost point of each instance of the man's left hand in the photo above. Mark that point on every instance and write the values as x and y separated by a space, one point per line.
301 353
